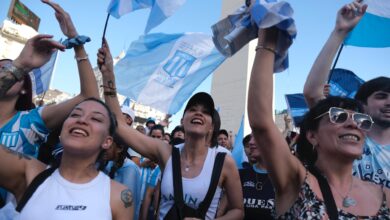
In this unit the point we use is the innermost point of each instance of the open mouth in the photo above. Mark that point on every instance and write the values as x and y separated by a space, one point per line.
197 121
350 137
78 132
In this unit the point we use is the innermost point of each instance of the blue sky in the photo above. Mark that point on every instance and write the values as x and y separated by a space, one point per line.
314 20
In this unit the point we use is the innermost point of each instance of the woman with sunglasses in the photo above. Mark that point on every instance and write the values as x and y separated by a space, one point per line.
318 185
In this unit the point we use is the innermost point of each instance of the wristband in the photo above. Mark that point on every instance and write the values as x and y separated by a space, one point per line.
76 41
266 48
79 59
110 93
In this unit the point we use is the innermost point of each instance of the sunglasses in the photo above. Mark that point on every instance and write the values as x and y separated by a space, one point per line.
339 116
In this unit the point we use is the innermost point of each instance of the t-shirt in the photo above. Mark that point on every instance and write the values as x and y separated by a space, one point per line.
258 193
374 164
194 189
24 132
59 199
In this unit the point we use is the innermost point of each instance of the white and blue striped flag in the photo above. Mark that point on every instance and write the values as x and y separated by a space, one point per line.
160 9
41 77
162 70
373 30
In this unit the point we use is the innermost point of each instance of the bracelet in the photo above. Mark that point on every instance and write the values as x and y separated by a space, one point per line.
266 48
75 41
108 87
110 93
78 59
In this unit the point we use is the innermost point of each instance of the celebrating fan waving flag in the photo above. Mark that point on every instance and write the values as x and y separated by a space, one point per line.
162 70
373 29
160 9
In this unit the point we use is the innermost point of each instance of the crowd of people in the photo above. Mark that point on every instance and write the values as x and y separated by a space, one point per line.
100 166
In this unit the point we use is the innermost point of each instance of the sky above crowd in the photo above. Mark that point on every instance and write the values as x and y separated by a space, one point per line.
314 20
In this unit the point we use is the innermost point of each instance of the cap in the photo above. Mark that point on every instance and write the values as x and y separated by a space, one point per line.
128 111
202 98
150 120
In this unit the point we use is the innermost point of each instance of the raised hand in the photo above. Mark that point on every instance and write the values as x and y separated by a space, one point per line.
104 59
37 52
349 15
63 19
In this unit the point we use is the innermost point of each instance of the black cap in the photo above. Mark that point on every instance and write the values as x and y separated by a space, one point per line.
204 99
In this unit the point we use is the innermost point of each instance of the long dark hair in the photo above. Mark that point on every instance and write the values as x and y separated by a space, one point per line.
305 151
118 162
24 102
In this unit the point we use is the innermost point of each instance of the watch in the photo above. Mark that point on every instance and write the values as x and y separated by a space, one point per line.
18 73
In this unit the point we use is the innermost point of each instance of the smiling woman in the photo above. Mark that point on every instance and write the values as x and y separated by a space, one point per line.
191 169
75 184
318 185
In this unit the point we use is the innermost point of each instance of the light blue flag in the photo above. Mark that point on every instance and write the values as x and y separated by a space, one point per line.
344 83
41 77
238 152
162 70
126 102
160 9
373 29
238 29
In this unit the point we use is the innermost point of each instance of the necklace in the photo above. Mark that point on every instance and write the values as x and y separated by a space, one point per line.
347 201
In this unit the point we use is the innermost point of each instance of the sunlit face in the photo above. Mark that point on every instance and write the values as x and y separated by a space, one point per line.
167 138
378 107
156 133
178 134
223 140
197 121
344 139
128 119
86 130
255 153
141 129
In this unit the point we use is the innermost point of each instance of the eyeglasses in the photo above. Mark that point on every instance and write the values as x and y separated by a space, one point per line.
339 116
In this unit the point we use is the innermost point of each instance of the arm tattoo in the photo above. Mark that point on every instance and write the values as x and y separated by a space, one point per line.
111 84
18 154
127 198
7 80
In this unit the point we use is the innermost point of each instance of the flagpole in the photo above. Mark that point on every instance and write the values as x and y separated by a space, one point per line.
335 62
105 27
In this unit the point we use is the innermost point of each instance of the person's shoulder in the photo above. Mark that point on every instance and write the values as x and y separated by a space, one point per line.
220 149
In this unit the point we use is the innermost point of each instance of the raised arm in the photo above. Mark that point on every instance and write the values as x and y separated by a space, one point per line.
54 115
17 171
35 53
347 18
151 148
286 172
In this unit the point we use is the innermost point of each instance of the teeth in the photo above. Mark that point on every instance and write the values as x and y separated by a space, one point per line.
197 121
79 131
350 137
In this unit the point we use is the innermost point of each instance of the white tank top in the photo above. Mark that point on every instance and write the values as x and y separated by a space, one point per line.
58 199
194 189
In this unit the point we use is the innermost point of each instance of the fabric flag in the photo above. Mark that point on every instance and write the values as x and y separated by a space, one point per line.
162 70
373 29
238 152
344 83
297 107
237 29
126 102
160 9
41 77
